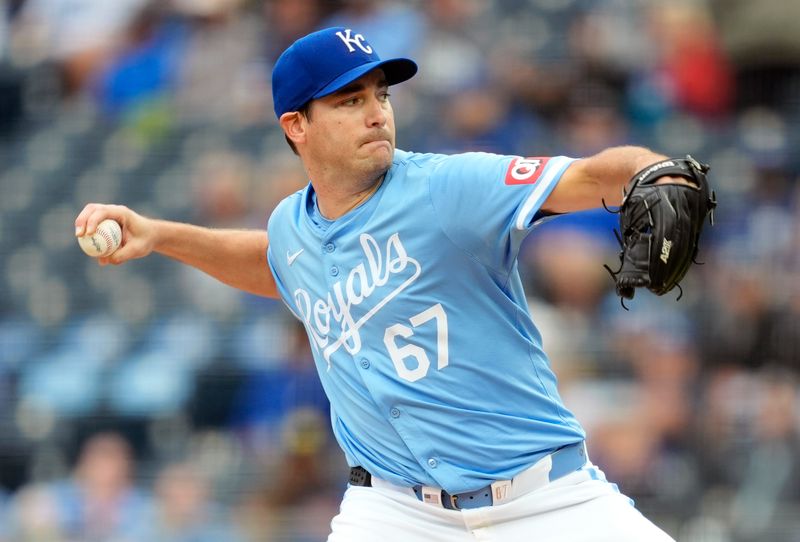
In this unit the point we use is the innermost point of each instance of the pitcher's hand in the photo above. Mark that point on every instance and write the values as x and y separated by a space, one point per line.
138 232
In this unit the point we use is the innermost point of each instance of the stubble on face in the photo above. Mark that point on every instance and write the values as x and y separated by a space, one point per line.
376 152
355 142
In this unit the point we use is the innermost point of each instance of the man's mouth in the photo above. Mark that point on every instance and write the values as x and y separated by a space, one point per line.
377 139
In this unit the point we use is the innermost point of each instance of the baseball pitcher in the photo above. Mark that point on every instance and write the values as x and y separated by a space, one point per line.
402 267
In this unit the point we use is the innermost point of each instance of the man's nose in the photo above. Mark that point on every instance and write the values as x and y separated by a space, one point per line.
376 115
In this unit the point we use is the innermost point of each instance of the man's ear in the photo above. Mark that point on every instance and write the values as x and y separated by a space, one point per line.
294 126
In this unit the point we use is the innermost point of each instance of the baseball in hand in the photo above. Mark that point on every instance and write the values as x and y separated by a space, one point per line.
104 241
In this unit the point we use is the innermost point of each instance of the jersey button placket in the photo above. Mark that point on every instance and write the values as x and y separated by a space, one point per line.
327 249
364 363
433 462
394 412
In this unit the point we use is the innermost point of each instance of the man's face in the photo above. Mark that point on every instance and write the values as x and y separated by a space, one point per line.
351 131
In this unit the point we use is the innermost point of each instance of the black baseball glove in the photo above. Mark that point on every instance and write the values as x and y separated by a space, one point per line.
660 226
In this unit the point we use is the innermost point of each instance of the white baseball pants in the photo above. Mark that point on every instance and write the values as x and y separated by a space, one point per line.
579 507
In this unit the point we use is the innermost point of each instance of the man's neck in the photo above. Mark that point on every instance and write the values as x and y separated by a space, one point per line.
334 203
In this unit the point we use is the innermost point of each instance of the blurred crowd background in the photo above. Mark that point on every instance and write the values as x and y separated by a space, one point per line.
148 403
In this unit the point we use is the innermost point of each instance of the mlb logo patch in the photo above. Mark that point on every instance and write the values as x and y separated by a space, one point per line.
525 170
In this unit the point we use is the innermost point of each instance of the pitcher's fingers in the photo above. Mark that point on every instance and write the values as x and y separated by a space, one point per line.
102 212
83 216
113 259
94 213
129 250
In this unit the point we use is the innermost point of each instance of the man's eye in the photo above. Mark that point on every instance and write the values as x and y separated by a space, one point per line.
385 97
350 101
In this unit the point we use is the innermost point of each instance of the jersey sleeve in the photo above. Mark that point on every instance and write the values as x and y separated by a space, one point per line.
277 274
274 263
488 203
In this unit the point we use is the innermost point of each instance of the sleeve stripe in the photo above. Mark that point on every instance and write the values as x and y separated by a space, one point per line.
541 190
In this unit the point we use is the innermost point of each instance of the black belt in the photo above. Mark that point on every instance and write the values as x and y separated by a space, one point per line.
562 462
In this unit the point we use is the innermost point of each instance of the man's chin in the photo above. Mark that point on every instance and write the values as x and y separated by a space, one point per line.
379 153
375 169
378 146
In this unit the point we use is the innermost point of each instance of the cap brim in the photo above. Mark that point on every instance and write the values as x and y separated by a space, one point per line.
396 70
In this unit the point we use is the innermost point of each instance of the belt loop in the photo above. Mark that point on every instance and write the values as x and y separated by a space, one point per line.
451 501
501 491
359 476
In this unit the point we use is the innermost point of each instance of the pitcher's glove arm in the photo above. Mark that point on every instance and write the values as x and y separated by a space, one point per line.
660 226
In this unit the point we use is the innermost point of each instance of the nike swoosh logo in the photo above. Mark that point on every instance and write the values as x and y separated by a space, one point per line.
291 257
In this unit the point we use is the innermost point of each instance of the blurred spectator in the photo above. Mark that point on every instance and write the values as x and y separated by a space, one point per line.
737 324
11 89
301 486
282 416
222 76
183 509
222 183
12 77
288 20
279 175
572 278
591 119
222 193
763 44
272 396
33 516
202 56
98 503
481 119
79 36
784 338
101 501
603 52
448 55
751 419
144 66
690 57
397 28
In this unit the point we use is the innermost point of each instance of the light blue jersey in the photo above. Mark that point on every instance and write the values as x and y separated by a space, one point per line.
418 322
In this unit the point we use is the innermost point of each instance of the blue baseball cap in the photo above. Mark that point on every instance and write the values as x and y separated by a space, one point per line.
325 61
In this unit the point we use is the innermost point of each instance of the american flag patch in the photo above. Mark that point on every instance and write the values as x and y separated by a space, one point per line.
431 497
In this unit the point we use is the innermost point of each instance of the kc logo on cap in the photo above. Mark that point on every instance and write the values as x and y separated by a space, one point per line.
358 40
317 65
